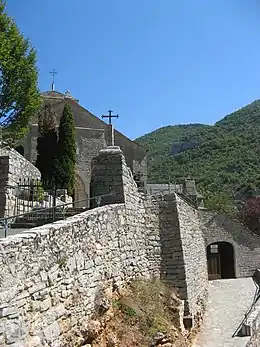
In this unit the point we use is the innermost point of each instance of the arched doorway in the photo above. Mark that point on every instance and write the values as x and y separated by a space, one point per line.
220 258
80 193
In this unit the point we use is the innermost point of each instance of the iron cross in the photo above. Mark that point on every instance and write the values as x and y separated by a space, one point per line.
110 116
53 73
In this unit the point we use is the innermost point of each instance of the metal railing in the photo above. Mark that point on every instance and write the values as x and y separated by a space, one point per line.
50 213
256 279
185 197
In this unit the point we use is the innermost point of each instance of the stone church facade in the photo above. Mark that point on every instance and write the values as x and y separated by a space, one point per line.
92 135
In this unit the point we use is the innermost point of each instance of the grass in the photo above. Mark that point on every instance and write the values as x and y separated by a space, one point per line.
144 309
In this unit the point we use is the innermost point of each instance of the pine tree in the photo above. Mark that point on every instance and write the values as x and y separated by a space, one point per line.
47 146
66 153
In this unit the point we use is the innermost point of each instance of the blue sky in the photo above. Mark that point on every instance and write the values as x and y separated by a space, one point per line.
155 62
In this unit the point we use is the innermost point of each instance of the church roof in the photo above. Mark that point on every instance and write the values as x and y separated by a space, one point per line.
83 118
53 94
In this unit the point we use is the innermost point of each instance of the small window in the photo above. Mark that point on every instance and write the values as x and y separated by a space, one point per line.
213 248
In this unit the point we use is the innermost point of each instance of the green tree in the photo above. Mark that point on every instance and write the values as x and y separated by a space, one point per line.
66 153
19 95
225 160
219 201
249 214
47 145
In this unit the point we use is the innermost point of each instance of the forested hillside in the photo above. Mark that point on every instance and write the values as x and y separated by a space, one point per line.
227 158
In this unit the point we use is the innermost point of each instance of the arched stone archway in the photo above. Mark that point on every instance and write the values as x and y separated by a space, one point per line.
221 261
80 192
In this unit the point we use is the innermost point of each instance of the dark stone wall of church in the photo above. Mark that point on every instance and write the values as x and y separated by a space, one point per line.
135 155
82 117
92 135
29 143
89 143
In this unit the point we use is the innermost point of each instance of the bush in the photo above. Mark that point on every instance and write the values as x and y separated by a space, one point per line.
249 214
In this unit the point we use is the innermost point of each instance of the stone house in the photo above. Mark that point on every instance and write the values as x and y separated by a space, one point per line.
232 250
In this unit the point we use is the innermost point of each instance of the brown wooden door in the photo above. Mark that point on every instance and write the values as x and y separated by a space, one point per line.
214 270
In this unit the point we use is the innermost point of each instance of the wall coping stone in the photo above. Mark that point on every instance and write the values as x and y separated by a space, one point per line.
44 230
111 149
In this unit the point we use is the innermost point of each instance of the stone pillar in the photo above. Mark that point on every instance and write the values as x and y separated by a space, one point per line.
183 255
110 135
189 187
107 177
4 170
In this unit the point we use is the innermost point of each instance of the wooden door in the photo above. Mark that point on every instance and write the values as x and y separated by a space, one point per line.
213 258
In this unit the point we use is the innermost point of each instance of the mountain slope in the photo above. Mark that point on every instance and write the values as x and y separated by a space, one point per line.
226 159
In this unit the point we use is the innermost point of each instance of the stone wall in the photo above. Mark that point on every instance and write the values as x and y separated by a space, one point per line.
194 256
52 277
255 332
13 168
92 135
135 154
246 245
83 252
107 176
89 143
179 249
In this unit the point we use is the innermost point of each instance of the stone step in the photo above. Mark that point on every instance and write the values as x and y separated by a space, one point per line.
23 225
35 218
46 214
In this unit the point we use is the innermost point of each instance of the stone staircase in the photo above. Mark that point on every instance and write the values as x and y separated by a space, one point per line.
38 217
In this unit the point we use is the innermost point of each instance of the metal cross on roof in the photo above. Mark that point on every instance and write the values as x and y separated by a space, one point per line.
53 73
110 116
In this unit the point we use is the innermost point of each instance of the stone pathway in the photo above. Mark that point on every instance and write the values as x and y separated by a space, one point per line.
10 232
228 302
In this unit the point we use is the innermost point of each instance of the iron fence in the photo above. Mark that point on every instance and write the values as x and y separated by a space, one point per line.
41 216
162 193
30 194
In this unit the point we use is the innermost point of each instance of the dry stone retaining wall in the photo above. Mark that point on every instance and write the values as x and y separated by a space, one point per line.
194 256
255 333
57 272
52 277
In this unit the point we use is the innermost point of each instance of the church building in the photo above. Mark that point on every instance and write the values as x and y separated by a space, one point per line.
92 135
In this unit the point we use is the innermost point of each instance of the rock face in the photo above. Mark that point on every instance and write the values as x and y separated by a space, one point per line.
52 277
179 147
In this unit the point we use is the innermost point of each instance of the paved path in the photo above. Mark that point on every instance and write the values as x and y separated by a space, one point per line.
228 302
11 232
